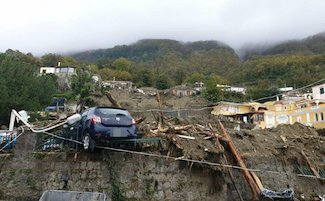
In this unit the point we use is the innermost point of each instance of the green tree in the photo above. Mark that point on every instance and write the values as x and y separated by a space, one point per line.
82 85
51 59
123 75
262 89
143 78
195 77
106 73
20 86
163 82
122 64
211 91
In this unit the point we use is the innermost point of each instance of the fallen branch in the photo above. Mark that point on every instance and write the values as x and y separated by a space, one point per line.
138 121
181 128
112 100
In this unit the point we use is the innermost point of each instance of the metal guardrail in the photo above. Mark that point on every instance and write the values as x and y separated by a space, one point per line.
134 142
6 137
176 113
304 170
322 173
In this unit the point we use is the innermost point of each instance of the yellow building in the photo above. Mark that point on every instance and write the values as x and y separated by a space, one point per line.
307 111
241 112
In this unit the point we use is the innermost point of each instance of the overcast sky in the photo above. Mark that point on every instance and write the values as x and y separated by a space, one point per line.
60 26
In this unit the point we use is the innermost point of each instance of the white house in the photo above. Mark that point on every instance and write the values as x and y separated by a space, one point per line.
319 92
58 70
232 88
285 89
64 74
46 70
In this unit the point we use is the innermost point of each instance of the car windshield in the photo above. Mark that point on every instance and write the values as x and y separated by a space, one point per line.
110 111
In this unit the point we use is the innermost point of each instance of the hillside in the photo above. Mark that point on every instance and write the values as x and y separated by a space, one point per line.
314 44
164 63
162 56
150 49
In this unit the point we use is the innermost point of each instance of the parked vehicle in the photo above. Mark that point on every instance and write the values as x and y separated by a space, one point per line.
56 105
99 125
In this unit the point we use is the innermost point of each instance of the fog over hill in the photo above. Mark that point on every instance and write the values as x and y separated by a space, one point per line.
314 44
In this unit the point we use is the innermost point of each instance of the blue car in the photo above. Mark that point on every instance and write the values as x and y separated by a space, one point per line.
100 125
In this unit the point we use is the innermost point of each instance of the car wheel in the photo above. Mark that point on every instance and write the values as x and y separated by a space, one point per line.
88 142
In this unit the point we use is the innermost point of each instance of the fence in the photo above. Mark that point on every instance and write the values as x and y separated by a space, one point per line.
176 113
7 139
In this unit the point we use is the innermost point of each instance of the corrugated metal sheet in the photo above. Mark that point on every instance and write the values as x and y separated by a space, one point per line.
55 195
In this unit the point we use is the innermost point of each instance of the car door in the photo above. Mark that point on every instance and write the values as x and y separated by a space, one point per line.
83 121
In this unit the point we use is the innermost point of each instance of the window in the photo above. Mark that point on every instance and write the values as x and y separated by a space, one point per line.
321 90
322 116
299 119
71 70
64 70
316 117
260 117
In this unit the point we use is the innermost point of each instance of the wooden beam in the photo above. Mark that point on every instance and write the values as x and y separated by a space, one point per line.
257 180
231 175
160 108
249 179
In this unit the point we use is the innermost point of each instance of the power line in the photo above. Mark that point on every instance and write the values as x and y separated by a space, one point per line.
274 96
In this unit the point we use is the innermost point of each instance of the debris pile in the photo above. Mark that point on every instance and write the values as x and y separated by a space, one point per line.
186 140
286 142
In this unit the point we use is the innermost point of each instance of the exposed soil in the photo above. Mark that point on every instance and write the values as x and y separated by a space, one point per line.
134 100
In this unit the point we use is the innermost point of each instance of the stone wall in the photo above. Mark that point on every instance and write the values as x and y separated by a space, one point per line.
124 176
119 175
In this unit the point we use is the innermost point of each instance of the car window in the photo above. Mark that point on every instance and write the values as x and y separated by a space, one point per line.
110 111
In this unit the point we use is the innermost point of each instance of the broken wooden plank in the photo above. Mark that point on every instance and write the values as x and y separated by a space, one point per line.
257 180
186 137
